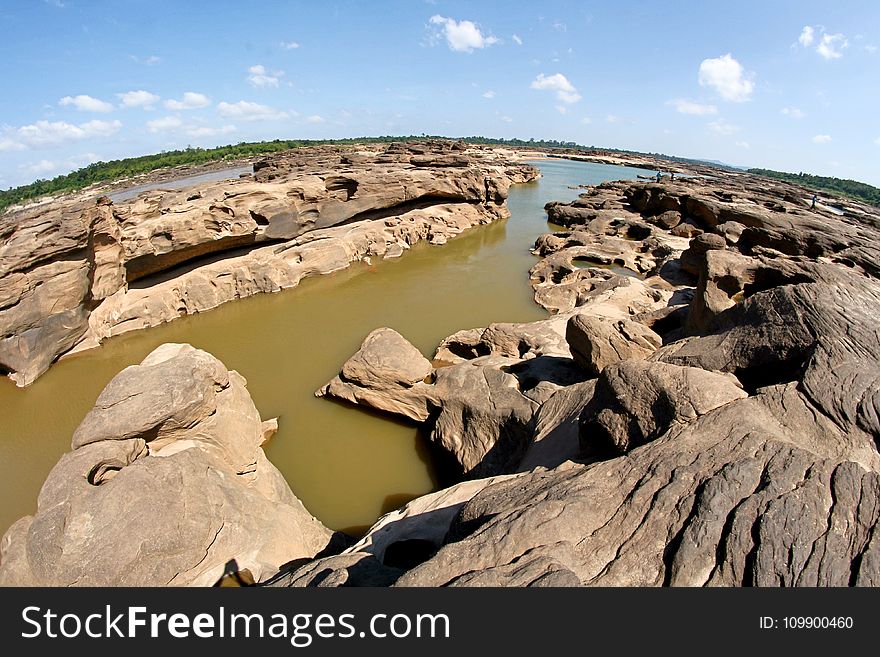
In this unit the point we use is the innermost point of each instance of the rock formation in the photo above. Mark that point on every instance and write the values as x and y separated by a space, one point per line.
725 430
165 484
701 407
76 272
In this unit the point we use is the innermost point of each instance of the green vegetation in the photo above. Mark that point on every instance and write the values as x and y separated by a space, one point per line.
131 166
849 188
102 172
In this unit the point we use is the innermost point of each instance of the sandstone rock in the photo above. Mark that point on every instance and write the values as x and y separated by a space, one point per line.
596 342
556 426
669 219
386 358
397 541
163 487
721 501
692 257
636 402
185 251
686 230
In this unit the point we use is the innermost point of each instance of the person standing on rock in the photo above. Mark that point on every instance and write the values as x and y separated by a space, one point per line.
813 206
659 175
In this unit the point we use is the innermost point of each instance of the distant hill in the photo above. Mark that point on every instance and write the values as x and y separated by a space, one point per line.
850 188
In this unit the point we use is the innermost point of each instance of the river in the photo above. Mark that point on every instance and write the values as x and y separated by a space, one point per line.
346 465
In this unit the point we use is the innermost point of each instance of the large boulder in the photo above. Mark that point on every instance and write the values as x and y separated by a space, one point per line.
636 402
166 484
597 342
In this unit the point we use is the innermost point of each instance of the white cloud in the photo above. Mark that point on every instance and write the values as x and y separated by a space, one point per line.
831 45
721 127
743 144
260 77
821 139
586 120
289 45
562 109
726 76
877 141
806 37
8 144
463 36
164 124
870 49
205 131
315 118
247 111
190 100
45 134
683 106
138 98
515 38
86 104
792 112
51 166
153 59
565 90
828 46
39 168
613 119
507 119
489 94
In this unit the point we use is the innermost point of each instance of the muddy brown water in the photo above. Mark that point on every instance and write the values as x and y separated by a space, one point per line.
346 465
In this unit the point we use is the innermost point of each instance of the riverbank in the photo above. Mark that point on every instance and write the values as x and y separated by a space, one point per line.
76 273
655 418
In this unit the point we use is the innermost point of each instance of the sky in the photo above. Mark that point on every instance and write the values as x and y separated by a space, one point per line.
786 85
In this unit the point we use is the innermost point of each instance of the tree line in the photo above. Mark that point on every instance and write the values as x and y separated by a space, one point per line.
102 172
849 188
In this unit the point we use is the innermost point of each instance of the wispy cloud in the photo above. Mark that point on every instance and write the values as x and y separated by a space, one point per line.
289 45
315 119
792 112
46 134
85 103
207 131
259 77
726 76
832 45
462 36
613 119
489 94
138 98
828 46
558 83
164 124
190 100
683 106
516 39
247 111
821 139
807 36
721 127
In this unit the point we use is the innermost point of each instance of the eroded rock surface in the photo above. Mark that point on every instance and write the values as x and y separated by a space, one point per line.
76 272
166 483
731 437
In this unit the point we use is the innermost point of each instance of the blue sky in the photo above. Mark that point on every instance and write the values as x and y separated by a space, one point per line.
779 84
